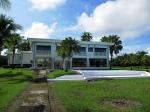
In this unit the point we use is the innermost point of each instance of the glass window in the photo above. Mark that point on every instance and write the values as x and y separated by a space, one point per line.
82 49
43 47
79 62
100 49
90 49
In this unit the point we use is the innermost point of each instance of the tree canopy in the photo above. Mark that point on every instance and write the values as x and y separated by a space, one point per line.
86 36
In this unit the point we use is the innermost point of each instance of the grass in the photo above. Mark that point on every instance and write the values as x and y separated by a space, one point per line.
80 96
12 81
58 72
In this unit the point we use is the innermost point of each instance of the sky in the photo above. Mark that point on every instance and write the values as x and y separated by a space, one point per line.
57 19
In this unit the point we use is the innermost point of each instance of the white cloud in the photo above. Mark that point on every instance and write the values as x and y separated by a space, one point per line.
128 18
41 5
40 30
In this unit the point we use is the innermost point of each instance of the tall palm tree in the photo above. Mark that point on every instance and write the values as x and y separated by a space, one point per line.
61 51
116 47
7 28
5 4
69 46
86 36
13 43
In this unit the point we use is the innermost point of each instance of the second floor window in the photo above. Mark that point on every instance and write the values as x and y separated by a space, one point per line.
43 47
100 50
82 49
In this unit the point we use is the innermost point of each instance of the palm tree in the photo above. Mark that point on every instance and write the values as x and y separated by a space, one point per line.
61 51
116 47
69 46
140 55
7 28
13 43
86 36
5 4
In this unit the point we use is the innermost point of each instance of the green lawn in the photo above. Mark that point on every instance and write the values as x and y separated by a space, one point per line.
58 72
81 96
11 83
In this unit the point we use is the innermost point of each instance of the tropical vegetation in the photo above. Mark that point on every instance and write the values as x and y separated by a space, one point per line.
86 36
5 4
116 47
7 29
141 58
13 43
67 47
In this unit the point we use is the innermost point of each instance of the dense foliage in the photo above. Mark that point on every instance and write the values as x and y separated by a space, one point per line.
116 47
141 58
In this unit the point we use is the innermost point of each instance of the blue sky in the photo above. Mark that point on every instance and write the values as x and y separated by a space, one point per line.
62 18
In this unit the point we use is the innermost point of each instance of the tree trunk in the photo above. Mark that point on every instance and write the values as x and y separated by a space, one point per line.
13 57
63 64
131 67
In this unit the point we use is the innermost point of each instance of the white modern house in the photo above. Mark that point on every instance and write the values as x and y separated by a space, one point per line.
92 55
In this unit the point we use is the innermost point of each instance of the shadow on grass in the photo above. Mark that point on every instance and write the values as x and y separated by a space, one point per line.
10 74
13 78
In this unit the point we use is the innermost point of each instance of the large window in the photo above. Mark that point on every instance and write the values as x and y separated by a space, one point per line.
79 62
98 62
43 47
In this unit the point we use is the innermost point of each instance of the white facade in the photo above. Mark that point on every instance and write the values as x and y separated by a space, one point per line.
92 55
22 58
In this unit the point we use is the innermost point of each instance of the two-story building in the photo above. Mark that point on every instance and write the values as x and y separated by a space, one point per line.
92 55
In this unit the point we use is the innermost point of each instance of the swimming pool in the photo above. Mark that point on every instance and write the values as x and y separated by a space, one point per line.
93 74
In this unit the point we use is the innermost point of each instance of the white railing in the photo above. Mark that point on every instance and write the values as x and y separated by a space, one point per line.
80 54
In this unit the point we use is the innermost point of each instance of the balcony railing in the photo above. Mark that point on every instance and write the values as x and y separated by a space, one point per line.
99 53
43 52
81 54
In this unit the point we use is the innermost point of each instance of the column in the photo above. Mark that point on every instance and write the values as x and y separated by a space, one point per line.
88 63
53 62
34 58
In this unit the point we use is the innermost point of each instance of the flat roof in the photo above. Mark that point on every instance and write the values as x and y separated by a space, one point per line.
58 41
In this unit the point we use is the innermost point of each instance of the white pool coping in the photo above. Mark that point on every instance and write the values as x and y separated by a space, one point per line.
100 74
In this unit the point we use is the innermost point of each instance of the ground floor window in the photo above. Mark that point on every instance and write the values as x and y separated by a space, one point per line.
98 62
44 62
79 62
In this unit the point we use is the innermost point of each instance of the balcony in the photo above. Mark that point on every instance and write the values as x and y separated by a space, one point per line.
43 52
99 53
80 54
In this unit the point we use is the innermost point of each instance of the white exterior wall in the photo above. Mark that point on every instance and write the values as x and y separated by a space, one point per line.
21 58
